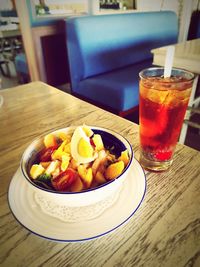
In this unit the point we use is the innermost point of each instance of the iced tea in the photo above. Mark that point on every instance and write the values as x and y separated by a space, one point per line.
163 103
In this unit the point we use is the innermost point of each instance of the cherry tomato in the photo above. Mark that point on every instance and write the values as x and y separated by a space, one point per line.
64 180
45 153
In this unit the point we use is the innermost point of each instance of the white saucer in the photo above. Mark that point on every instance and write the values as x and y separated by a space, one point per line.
29 215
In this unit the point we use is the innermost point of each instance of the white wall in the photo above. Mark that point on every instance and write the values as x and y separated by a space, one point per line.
5 5
196 4
183 9
157 5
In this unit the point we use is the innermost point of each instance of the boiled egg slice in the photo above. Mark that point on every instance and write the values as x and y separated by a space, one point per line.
81 149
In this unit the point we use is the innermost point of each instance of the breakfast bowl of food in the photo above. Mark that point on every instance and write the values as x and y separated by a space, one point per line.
77 166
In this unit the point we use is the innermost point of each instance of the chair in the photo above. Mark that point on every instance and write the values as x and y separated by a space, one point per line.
193 109
9 48
22 68
194 102
192 136
5 64
107 52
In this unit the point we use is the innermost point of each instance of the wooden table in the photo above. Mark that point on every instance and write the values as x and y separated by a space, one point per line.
186 56
164 231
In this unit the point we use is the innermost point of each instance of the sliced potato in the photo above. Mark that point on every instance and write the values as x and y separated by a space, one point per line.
114 170
99 178
86 175
124 157
77 186
73 164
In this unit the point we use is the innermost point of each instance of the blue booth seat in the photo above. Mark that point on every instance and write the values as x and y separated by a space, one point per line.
106 54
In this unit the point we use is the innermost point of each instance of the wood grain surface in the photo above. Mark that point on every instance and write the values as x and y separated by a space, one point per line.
165 230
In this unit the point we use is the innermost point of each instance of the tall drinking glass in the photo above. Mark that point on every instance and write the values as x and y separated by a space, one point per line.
162 107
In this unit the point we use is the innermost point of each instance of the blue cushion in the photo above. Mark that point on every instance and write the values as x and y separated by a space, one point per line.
117 89
97 44
21 63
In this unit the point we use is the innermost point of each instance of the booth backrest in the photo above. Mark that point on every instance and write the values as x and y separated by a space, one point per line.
98 44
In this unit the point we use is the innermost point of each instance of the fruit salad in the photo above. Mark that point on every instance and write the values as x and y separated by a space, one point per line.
76 162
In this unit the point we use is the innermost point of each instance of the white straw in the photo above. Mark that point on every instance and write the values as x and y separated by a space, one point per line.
169 61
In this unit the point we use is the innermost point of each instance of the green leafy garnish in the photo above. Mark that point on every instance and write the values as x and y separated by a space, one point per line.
44 177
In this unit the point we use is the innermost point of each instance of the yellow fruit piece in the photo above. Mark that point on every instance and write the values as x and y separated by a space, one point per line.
99 178
67 148
98 142
65 162
87 130
58 153
62 146
64 137
86 175
77 186
50 140
114 170
85 149
36 170
124 157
